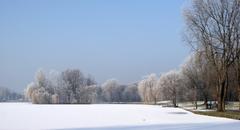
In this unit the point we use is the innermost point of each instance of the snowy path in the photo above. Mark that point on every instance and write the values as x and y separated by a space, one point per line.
105 117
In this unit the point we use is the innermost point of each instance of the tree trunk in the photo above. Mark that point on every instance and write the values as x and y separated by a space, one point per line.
221 105
239 95
174 103
221 97
238 75
206 102
196 105
195 94
155 101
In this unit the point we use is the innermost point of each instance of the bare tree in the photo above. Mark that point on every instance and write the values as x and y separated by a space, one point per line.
237 74
213 29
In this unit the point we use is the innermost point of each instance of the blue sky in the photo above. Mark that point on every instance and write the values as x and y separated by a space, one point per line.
123 39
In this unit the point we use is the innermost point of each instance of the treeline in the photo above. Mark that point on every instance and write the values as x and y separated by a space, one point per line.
195 80
213 31
72 86
212 71
7 95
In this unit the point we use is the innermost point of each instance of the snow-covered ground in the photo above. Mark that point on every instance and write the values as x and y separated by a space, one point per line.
25 116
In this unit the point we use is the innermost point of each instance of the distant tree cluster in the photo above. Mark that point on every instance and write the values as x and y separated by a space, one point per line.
8 95
69 86
72 87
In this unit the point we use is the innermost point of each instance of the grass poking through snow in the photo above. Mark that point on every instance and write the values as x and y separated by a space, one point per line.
227 114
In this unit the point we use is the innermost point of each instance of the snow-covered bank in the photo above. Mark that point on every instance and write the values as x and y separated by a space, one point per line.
106 116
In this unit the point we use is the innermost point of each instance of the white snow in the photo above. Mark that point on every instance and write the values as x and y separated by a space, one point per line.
25 116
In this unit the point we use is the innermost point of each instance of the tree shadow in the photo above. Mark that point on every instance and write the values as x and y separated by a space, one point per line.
177 113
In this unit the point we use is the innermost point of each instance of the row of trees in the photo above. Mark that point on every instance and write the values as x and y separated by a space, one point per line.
196 80
8 95
71 86
213 31
212 72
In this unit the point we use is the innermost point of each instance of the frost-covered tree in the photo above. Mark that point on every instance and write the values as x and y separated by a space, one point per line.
73 79
170 83
110 90
200 76
86 92
29 91
89 94
59 87
39 92
148 89
42 96
70 86
131 94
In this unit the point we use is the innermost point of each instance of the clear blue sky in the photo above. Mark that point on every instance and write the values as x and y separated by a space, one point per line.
124 39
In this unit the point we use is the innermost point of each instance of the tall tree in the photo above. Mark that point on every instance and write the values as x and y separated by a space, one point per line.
212 26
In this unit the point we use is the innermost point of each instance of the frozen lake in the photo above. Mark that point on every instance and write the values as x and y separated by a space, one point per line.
105 117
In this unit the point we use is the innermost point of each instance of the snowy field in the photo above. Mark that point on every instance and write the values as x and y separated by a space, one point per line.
25 116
